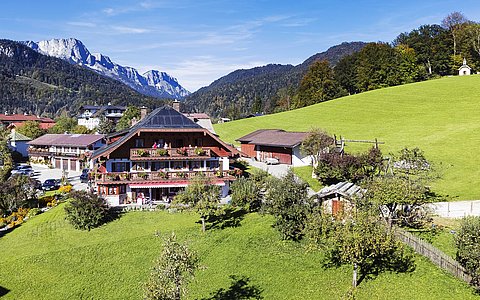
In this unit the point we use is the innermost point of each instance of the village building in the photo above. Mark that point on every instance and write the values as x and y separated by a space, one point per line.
16 120
158 157
339 199
69 152
91 115
18 142
464 69
267 144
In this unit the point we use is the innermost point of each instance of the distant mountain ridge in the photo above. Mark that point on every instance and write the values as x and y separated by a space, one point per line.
152 83
239 91
31 82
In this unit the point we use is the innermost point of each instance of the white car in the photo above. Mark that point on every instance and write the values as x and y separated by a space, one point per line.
23 170
271 161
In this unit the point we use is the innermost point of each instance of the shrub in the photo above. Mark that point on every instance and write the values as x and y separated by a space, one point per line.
65 189
468 247
33 212
246 193
85 211
45 200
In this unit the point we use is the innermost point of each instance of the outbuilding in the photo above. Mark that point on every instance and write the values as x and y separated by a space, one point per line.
339 199
267 144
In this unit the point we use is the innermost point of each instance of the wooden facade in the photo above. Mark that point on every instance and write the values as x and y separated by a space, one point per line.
158 157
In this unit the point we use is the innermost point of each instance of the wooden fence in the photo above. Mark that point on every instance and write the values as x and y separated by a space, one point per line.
435 255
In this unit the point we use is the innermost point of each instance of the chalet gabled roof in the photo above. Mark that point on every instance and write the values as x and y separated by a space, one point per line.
274 138
166 117
71 140
162 118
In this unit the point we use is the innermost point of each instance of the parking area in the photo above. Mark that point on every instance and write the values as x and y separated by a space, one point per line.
43 173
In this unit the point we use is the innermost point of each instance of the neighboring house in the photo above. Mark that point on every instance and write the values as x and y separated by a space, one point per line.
464 69
265 144
158 157
68 152
201 119
339 199
16 120
91 115
18 142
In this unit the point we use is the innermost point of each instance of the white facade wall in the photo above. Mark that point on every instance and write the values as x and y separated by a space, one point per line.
299 160
464 71
90 123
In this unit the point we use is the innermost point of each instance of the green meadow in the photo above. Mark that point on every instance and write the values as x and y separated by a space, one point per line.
442 117
46 258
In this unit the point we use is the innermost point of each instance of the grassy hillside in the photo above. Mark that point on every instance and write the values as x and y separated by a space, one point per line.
47 259
442 117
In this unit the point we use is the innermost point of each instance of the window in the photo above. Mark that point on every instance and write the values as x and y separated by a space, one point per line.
195 164
158 165
120 166
212 164
139 143
140 166
179 164
179 143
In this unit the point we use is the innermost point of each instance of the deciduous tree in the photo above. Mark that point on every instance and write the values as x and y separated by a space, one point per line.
31 129
172 271
467 241
126 120
201 196
317 85
287 201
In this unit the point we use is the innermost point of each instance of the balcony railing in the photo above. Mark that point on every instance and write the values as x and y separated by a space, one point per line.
168 153
47 152
159 176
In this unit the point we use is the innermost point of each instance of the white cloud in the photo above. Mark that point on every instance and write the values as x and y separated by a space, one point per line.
82 24
200 71
126 29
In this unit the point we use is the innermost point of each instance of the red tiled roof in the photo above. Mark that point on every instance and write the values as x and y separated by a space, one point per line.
71 140
196 115
23 118
274 137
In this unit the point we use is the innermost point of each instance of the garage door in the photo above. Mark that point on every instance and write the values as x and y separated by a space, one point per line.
73 165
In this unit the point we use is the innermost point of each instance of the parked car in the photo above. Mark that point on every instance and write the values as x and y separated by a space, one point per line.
272 161
23 170
85 175
51 184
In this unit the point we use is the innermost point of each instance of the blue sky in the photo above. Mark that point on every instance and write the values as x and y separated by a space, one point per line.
198 41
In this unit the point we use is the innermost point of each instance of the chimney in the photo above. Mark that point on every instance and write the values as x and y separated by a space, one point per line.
176 105
143 112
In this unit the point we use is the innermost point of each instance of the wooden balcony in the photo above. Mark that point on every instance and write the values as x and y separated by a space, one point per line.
169 153
126 177
47 152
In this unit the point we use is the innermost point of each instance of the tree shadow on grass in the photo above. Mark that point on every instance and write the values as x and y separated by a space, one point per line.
240 288
113 214
3 291
4 232
231 217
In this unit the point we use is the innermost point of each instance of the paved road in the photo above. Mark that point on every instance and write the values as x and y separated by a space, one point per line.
279 170
43 173
457 209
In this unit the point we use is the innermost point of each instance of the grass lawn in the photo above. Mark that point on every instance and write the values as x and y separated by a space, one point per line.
442 117
305 173
46 258
444 238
